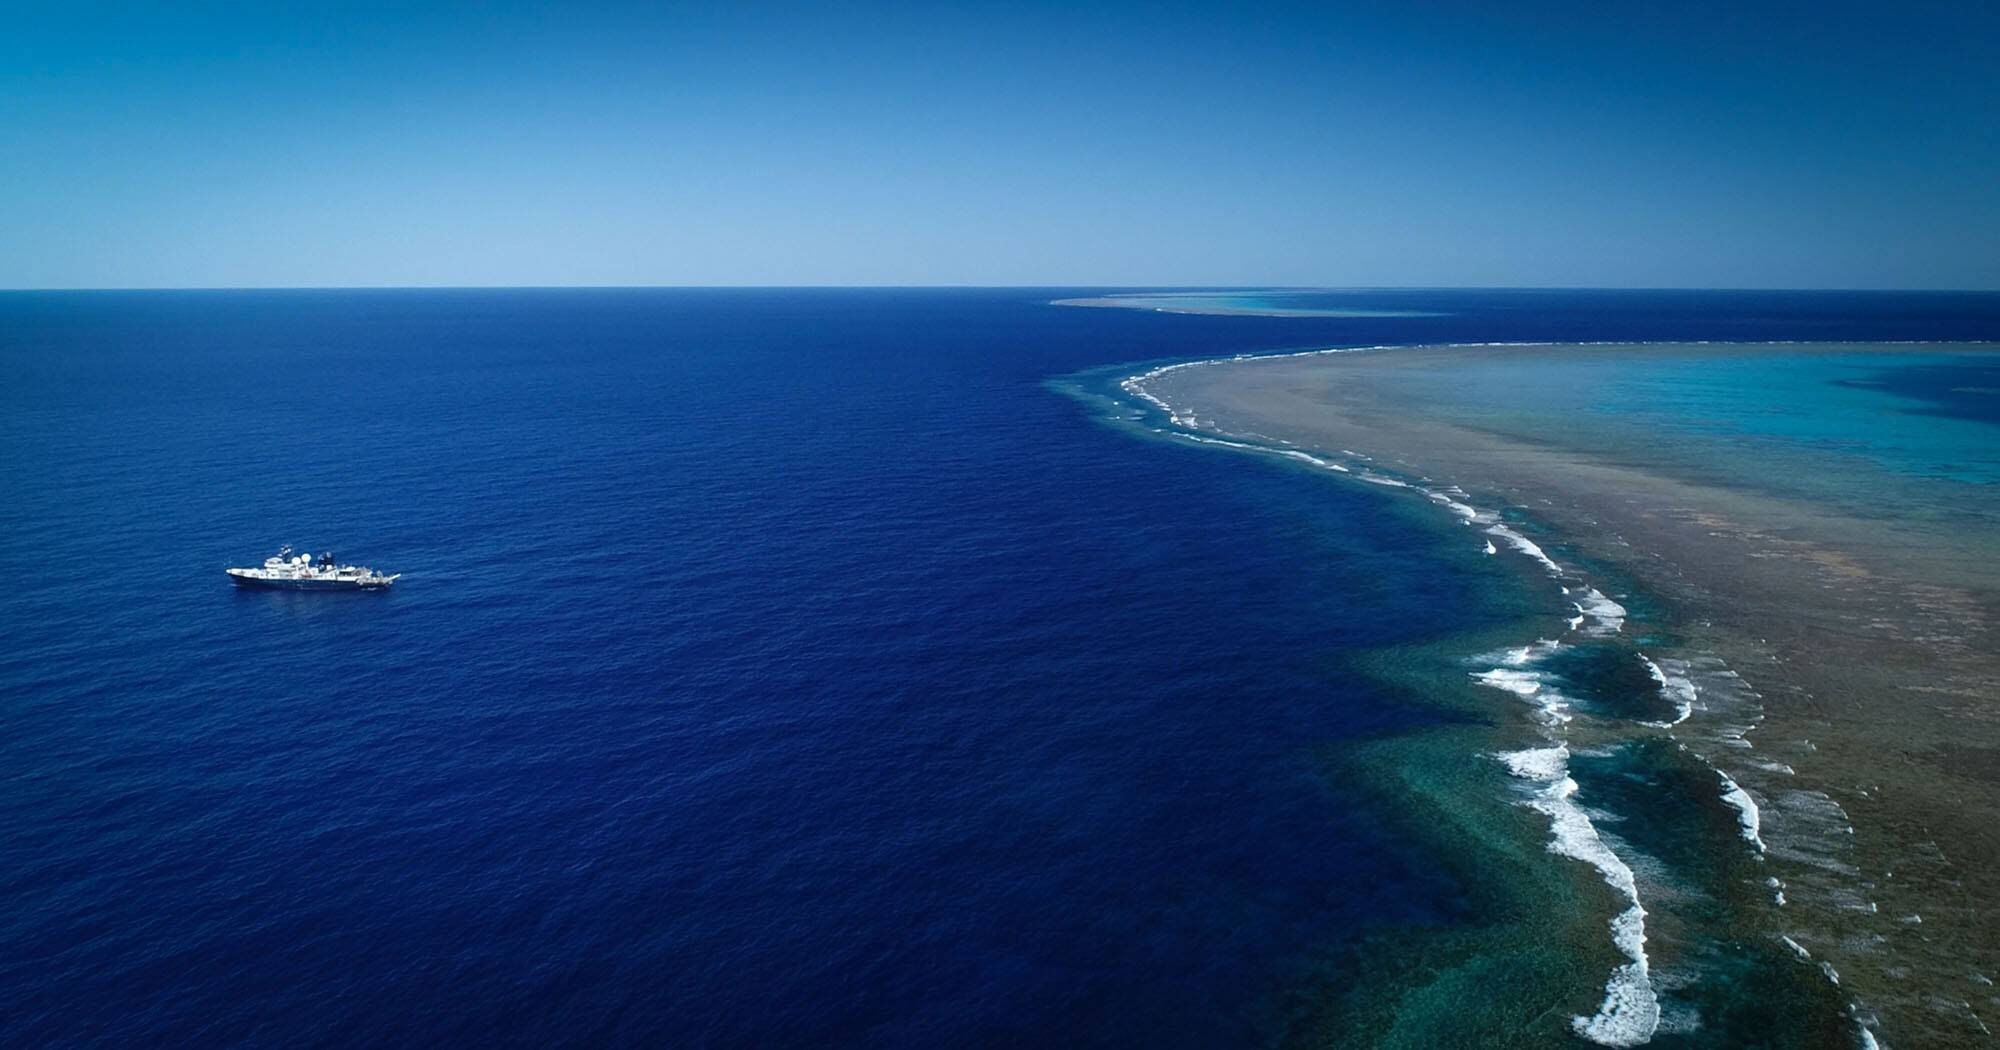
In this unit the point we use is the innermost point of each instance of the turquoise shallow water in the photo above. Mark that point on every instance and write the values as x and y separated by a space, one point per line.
775 667
1608 727
1877 406
1852 424
1614 866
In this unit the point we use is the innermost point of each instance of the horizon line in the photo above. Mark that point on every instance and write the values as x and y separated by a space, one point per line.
987 287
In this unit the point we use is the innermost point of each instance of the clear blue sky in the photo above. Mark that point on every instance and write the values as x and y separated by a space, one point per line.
1658 144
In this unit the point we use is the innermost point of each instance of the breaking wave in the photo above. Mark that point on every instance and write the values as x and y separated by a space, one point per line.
1631 1009
1820 835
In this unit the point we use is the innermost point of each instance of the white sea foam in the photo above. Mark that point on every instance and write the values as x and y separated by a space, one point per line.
1448 498
1630 1012
1607 617
1747 815
1547 764
1307 457
1526 546
1136 384
1303 457
1522 655
1677 687
1520 683
1551 706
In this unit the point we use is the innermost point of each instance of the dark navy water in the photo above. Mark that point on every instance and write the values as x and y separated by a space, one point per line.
769 667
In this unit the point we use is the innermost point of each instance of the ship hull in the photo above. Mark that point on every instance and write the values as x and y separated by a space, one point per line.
308 585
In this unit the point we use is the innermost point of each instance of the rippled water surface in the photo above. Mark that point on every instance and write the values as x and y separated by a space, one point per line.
768 666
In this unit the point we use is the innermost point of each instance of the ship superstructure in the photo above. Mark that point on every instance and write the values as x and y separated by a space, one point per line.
303 572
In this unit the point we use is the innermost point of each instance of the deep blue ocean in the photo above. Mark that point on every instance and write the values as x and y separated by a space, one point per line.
770 667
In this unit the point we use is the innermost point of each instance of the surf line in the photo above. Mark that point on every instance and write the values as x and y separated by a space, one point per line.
1630 1012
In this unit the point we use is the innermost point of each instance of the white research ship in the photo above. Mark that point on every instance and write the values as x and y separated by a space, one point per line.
302 572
